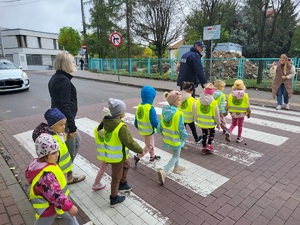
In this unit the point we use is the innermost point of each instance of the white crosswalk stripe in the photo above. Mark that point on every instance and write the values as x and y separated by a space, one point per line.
133 210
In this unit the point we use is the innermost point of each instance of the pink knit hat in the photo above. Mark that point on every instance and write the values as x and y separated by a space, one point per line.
172 96
209 89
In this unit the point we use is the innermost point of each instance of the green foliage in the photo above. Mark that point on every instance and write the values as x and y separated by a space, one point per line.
295 43
69 39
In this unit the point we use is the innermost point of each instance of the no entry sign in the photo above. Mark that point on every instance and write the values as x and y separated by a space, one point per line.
116 39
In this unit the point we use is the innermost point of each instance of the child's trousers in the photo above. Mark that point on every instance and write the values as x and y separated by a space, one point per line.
239 122
149 146
119 174
174 161
66 217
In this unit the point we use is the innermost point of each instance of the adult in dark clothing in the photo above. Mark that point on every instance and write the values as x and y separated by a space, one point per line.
191 69
81 61
64 97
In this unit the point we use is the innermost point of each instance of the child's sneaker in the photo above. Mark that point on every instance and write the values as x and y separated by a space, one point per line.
239 139
97 187
178 169
161 177
199 139
124 187
136 160
210 148
152 159
114 201
204 151
227 137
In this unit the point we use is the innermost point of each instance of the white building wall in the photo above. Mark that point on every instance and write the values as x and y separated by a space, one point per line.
32 42
47 43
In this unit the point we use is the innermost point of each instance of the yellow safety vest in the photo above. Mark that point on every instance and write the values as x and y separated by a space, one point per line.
187 109
100 145
38 202
64 161
113 146
238 105
143 119
170 129
206 114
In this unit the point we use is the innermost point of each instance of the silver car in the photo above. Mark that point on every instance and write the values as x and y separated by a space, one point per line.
12 78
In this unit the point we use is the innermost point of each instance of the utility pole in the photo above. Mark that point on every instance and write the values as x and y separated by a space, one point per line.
1 43
84 31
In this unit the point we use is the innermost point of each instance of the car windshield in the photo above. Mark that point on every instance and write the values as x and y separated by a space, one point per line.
5 65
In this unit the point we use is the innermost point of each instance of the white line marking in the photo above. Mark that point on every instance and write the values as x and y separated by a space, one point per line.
133 210
278 112
195 178
256 135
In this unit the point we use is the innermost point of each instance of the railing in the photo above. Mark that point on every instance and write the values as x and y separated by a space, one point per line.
222 68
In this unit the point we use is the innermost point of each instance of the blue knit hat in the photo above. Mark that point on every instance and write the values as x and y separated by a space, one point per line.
53 116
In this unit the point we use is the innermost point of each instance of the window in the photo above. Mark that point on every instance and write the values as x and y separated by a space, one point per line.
39 42
54 44
22 41
34 59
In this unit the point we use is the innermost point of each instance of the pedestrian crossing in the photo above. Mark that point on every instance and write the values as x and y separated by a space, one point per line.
198 179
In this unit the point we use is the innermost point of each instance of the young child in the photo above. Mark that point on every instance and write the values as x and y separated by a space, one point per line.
99 139
56 122
117 142
146 122
238 106
221 99
171 126
48 191
208 117
187 106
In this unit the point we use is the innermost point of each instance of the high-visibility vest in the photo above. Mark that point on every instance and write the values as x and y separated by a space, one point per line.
100 145
170 129
64 161
113 146
238 105
187 109
143 119
206 114
219 99
38 202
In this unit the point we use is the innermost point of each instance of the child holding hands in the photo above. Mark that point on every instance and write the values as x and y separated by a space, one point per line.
171 126
221 99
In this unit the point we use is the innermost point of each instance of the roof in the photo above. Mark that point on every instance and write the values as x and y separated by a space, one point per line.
176 44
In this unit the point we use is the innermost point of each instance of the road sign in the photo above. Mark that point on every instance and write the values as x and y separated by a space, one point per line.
83 46
116 39
211 32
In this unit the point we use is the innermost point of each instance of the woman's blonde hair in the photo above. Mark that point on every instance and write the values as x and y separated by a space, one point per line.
64 61
219 83
286 62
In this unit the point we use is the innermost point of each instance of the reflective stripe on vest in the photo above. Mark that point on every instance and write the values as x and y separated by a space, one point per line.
238 105
64 161
38 202
170 129
100 145
143 119
113 146
187 109
206 114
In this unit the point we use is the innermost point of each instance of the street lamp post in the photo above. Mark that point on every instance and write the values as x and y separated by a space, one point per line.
1 43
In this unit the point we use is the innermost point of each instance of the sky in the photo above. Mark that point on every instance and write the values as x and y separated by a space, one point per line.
42 15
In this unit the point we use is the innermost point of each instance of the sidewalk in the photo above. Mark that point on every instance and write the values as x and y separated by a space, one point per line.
15 208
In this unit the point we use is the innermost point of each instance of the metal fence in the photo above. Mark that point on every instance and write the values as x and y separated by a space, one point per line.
247 69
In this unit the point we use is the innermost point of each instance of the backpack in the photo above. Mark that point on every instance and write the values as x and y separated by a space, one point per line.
41 128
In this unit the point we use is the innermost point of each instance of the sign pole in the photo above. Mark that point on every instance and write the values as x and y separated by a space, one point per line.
210 64
117 63
116 40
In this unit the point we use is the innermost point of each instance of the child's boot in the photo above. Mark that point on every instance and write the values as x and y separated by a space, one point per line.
136 160
124 187
153 159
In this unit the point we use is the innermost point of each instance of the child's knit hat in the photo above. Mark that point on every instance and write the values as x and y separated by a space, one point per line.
116 107
53 116
45 144
209 89
171 96
238 85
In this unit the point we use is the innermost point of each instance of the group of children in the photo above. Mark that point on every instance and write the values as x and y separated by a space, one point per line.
47 173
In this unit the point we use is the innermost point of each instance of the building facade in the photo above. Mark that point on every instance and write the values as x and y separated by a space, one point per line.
33 50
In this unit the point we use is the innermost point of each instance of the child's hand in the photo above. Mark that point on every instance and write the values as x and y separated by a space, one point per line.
73 211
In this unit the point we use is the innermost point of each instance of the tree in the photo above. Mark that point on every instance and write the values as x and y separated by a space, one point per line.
69 39
295 44
156 22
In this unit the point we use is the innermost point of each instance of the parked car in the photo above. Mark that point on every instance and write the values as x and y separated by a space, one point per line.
12 77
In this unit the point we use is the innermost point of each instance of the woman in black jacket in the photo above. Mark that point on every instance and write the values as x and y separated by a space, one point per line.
64 97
